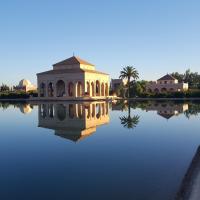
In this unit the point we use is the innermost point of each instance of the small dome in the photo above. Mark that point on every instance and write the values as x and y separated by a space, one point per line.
24 83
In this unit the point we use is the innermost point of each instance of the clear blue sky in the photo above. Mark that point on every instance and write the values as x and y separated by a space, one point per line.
155 36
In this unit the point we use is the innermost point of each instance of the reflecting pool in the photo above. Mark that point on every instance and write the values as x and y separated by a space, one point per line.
99 150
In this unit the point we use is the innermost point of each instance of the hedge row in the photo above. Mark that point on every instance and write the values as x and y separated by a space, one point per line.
188 94
17 95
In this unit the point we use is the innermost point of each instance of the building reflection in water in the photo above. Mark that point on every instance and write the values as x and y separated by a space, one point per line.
25 108
167 109
73 121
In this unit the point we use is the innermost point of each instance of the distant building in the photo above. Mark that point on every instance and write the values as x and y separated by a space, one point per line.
25 85
166 84
73 78
115 83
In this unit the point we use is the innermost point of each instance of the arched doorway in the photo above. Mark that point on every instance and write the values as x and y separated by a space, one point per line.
102 90
87 93
60 87
71 89
97 88
50 90
42 90
79 89
92 87
106 89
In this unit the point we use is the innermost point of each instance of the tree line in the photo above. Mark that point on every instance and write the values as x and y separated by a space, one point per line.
192 78
135 88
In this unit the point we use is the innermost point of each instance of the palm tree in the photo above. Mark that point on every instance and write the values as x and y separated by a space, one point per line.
129 72
128 121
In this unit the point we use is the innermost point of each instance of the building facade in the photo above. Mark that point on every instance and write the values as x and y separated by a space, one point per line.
115 83
166 84
73 78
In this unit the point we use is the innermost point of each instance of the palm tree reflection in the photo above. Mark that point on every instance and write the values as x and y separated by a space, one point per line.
129 121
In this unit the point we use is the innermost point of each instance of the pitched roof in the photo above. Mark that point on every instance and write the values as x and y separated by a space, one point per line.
167 77
66 71
166 116
72 61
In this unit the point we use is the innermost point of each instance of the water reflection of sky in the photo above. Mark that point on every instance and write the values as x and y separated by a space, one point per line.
146 162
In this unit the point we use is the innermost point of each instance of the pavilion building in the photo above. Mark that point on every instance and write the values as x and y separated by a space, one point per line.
73 78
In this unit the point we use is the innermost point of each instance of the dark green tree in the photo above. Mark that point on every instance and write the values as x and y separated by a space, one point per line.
4 88
129 73
129 121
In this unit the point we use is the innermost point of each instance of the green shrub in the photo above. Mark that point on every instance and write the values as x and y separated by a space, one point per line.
15 95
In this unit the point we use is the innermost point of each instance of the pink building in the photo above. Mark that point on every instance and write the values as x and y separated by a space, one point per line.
166 84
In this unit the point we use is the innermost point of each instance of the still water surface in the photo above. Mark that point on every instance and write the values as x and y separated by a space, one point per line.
96 150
